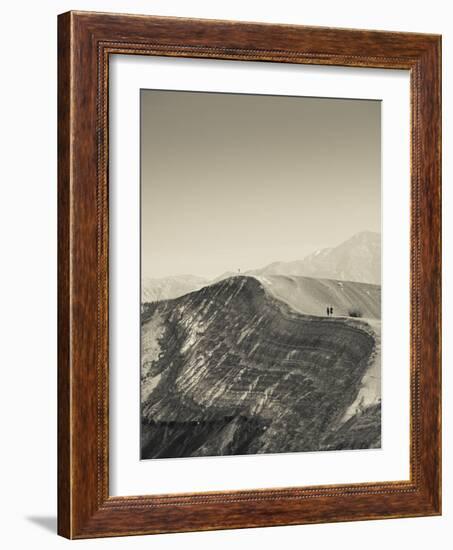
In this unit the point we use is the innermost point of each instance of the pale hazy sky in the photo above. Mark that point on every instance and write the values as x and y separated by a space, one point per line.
233 181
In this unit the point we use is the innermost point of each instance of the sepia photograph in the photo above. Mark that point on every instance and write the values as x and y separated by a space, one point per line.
260 274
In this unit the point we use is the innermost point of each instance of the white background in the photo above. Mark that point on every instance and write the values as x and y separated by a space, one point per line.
28 275
128 475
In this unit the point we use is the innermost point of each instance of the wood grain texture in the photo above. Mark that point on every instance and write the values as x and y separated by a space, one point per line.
86 40
64 368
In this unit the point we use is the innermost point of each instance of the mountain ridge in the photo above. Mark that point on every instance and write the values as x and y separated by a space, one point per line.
358 259
230 369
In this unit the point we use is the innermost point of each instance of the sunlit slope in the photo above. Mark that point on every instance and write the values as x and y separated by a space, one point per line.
231 369
312 296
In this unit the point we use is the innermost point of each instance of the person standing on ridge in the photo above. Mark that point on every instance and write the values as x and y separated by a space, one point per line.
331 310
328 311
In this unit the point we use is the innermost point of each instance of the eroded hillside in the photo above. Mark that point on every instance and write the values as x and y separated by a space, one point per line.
231 369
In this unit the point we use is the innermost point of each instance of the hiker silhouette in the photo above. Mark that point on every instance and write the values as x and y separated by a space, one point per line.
328 311
331 311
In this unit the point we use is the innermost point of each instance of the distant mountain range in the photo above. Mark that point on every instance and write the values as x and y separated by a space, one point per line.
358 259
170 287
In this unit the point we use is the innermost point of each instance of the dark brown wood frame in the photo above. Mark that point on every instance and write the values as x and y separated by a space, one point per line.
85 42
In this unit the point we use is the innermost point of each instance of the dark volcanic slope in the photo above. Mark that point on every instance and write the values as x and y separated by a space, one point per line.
230 369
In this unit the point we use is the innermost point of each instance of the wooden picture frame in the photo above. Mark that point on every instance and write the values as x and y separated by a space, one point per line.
85 42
